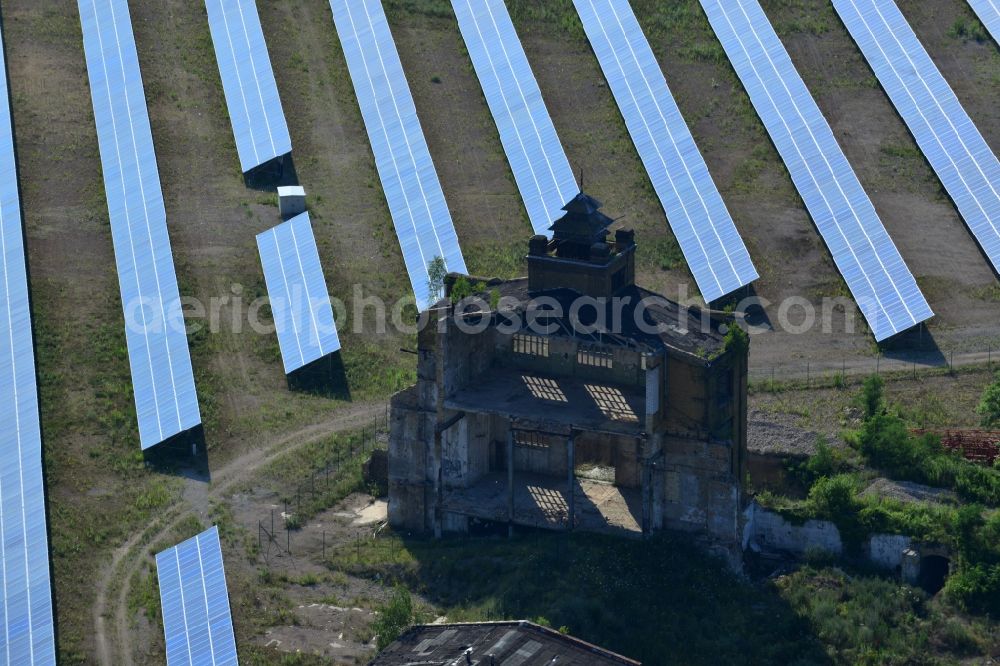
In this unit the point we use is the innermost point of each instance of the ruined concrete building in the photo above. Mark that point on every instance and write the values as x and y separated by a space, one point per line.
572 399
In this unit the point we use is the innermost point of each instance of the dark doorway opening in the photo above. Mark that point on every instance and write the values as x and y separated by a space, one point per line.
933 572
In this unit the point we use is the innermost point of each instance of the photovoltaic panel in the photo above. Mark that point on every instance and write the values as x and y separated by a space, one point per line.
412 190
194 600
248 81
712 246
162 379
956 150
541 170
872 267
26 623
988 12
297 290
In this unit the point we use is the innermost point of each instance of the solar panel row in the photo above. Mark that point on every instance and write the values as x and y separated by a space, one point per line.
248 81
197 623
27 633
297 290
712 246
541 170
162 379
956 150
988 12
409 180
879 280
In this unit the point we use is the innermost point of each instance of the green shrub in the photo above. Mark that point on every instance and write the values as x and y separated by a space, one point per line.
888 444
968 29
737 340
989 404
394 617
977 484
836 499
826 462
463 288
834 496
975 587
872 400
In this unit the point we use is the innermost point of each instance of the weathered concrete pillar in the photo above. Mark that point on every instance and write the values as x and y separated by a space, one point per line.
438 518
510 482
571 482
647 486
653 382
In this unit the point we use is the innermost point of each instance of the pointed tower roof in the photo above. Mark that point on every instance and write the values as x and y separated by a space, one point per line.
583 221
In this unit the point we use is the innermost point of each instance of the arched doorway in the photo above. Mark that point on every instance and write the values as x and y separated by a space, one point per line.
933 572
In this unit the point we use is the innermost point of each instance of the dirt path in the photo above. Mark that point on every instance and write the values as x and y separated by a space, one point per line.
115 647
855 367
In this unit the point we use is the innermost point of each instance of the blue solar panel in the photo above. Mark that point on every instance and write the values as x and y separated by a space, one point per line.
26 625
416 201
967 167
297 291
536 157
251 93
879 280
712 246
197 624
989 13
165 398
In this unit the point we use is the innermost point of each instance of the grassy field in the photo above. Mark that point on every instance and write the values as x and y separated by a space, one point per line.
100 492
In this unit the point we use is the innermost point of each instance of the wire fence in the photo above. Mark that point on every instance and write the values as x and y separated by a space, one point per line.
836 373
318 490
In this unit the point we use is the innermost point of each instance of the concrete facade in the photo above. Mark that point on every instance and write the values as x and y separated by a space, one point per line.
769 532
656 411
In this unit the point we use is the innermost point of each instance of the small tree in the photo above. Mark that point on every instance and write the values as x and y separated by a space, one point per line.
871 397
989 405
394 617
436 272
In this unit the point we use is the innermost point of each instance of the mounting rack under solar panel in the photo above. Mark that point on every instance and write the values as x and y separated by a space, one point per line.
988 12
296 288
712 246
248 81
194 599
162 379
27 631
541 170
416 202
872 267
956 150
